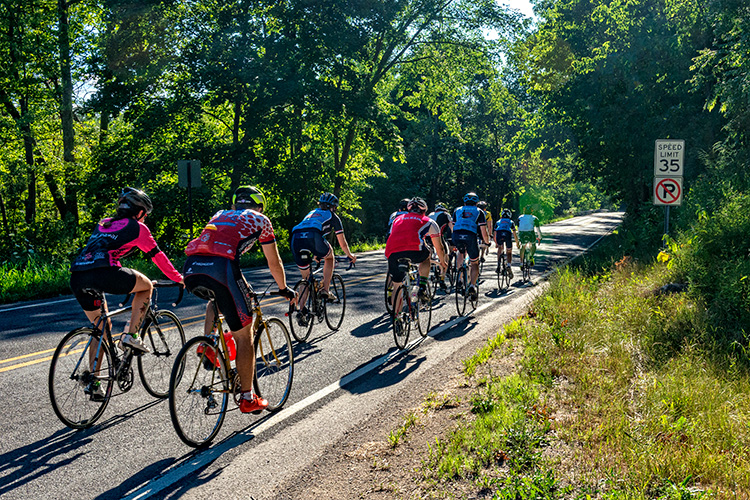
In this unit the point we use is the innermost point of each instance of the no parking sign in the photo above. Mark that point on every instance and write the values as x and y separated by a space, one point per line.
668 191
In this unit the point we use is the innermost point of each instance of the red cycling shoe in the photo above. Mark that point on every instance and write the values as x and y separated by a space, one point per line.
255 405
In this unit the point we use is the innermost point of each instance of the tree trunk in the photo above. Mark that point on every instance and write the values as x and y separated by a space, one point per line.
66 115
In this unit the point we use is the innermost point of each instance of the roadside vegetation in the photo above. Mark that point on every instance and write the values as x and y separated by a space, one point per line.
632 378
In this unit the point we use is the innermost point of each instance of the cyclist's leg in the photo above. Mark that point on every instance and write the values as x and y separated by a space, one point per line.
397 275
141 291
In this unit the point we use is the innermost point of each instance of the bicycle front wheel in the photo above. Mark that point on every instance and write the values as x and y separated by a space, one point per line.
199 392
274 363
388 293
334 309
526 267
73 374
424 311
462 290
302 320
402 319
165 337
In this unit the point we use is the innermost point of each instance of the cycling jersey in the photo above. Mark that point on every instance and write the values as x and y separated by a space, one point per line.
107 245
442 219
408 233
230 233
505 224
320 220
527 222
468 218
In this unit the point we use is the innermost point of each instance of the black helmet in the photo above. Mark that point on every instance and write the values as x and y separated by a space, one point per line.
417 205
248 196
404 204
133 200
329 199
440 208
471 198
482 205
507 213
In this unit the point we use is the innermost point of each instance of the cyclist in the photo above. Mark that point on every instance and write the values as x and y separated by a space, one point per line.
468 223
504 229
443 219
408 239
483 249
527 223
213 263
98 266
310 234
401 211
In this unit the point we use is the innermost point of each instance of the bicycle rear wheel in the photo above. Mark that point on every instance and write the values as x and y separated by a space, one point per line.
424 312
388 293
402 319
70 375
274 363
462 290
334 309
165 337
199 392
526 266
300 322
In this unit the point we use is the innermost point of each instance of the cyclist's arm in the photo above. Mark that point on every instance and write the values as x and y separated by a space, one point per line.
485 238
345 246
150 248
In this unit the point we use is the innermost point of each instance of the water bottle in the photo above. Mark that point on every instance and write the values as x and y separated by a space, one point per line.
231 345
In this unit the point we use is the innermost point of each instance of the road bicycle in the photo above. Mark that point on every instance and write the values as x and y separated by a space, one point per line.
503 274
87 364
527 262
410 305
203 377
436 279
461 290
317 306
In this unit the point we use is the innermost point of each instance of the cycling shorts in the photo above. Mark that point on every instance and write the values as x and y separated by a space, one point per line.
114 280
223 277
527 236
466 242
504 238
416 256
311 240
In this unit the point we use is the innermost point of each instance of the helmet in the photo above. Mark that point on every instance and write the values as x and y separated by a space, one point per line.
133 200
404 204
417 205
440 208
329 199
471 198
507 214
482 205
248 196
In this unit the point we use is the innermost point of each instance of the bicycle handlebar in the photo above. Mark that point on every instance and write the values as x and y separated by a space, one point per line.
344 258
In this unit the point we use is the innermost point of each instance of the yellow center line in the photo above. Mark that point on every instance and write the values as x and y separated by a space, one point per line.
189 321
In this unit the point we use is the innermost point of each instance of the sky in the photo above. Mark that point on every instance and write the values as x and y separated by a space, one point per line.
524 6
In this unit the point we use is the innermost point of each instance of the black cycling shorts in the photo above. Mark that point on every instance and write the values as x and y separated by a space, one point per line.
504 237
114 280
416 256
466 242
223 277
308 240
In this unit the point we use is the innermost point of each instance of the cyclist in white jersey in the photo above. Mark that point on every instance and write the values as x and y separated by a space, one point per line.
527 223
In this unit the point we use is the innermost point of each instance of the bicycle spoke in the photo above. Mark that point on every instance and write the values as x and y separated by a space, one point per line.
274 363
165 337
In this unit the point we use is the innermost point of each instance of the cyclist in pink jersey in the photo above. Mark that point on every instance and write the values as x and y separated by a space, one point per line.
98 266
408 239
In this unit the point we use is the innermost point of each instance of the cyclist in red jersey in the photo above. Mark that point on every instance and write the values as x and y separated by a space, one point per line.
98 266
408 239
213 263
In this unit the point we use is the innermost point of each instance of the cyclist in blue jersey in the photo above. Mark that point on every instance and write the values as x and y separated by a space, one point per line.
468 223
310 235
505 231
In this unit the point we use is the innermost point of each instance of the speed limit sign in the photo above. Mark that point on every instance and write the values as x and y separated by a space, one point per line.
669 157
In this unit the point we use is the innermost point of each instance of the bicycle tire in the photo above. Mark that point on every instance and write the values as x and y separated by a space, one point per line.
165 336
334 310
526 267
68 378
424 313
474 302
274 363
299 332
388 293
198 392
461 290
401 319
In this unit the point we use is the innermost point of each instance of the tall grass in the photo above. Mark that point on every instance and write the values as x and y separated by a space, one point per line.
33 279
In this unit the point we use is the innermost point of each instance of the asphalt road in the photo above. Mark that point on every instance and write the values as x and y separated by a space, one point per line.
133 451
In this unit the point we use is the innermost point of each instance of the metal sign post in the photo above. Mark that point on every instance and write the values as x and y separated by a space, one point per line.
189 176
